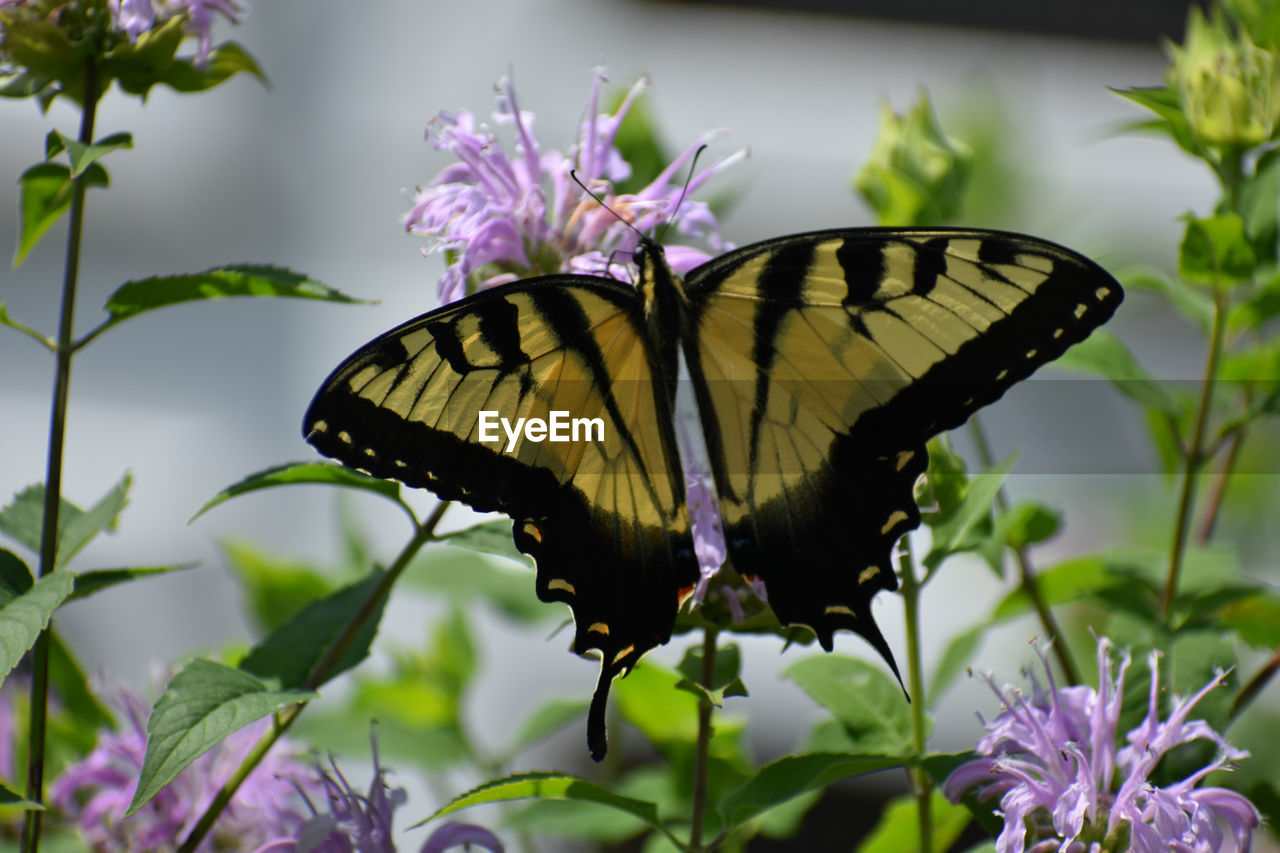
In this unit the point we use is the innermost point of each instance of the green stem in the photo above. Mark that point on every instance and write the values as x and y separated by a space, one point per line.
1026 572
702 753
53 472
319 674
1220 487
921 783
1195 455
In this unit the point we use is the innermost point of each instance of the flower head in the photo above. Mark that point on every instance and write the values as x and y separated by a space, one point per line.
503 216
1062 782
96 792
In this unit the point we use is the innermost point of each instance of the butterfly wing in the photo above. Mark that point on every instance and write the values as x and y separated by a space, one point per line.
822 364
605 518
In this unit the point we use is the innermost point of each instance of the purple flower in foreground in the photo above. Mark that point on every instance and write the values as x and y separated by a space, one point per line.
508 217
200 21
1064 785
96 791
132 17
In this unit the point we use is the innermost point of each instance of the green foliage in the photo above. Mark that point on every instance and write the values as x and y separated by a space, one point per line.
23 519
296 473
865 701
45 195
24 616
899 828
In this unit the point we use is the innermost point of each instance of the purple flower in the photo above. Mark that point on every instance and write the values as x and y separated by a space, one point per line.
1064 785
96 791
132 17
454 834
135 17
506 217
200 20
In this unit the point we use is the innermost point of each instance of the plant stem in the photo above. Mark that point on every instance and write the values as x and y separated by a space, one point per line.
1195 456
702 754
1220 488
1255 685
53 473
921 784
1026 572
424 533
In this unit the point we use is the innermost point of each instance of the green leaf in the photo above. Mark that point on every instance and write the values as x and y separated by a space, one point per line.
45 194
15 576
725 679
1104 354
465 577
10 799
953 534
1258 204
1165 103
1028 523
138 65
294 473
82 155
490 537
276 588
956 658
1260 305
1216 251
1256 620
648 699
42 47
291 651
24 84
899 827
24 617
546 719
23 519
549 785
791 776
73 692
224 61
868 703
87 583
1191 301
135 297
202 704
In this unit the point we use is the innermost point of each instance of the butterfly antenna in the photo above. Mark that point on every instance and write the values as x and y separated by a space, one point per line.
683 191
573 173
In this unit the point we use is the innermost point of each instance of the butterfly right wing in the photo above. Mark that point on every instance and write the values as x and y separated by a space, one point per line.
604 519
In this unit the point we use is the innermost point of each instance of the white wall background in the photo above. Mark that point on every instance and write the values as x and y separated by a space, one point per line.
313 174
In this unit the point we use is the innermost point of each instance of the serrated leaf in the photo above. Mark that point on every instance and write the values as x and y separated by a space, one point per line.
45 194
546 719
1255 620
574 820
953 534
291 651
42 47
899 828
725 679
201 705
87 583
791 776
1165 103
147 294
549 785
24 617
1104 354
23 518
1216 251
15 576
294 473
24 84
224 61
868 703
82 155
11 799
489 537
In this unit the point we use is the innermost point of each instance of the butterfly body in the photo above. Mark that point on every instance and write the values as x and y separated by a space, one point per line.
821 363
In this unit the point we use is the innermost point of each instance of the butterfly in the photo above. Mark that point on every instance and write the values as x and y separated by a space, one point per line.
821 363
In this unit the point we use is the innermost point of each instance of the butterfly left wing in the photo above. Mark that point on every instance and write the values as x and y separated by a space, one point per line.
603 516
822 364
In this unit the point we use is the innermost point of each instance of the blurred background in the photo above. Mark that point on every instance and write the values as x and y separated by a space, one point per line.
316 172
